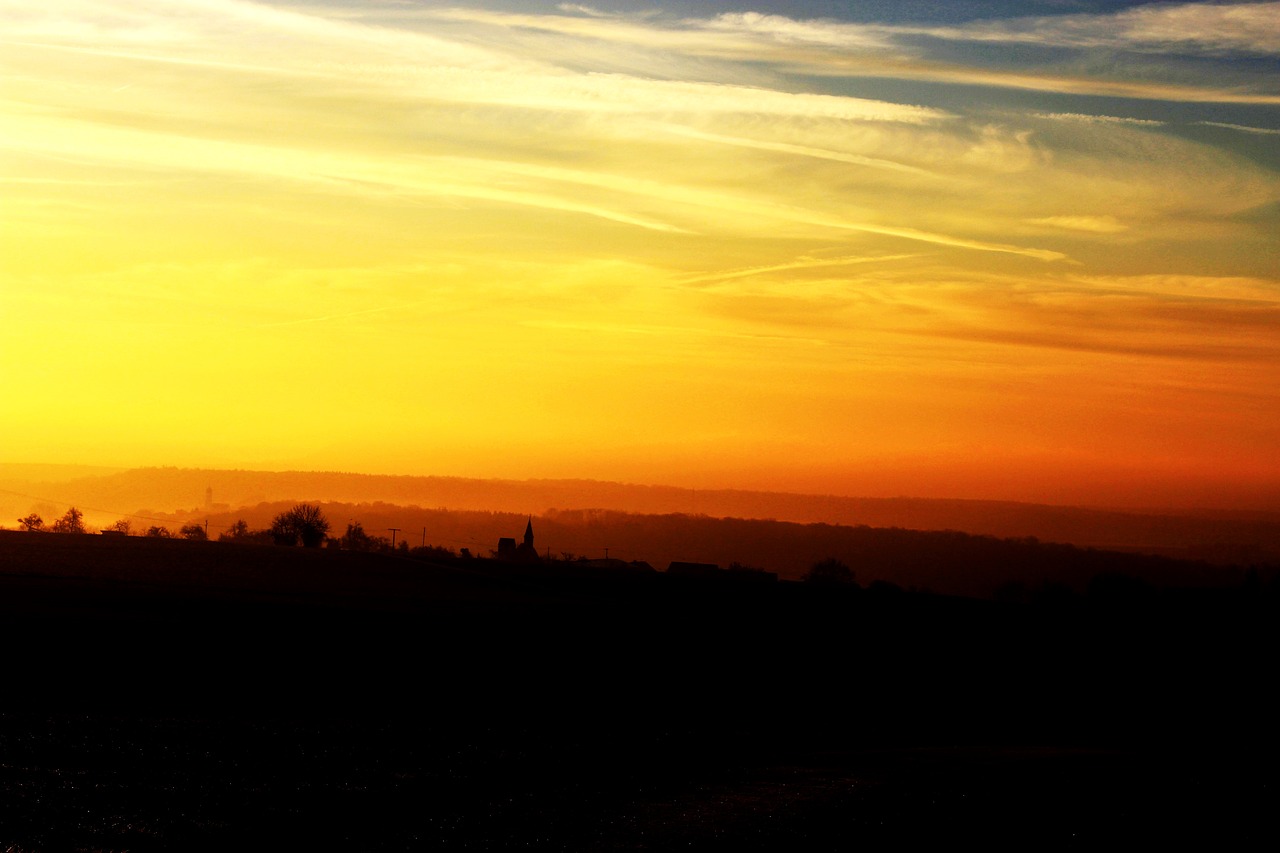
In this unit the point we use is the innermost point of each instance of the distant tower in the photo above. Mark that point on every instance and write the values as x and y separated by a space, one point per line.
524 552
208 498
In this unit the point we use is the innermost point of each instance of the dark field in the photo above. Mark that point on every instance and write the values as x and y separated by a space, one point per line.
172 695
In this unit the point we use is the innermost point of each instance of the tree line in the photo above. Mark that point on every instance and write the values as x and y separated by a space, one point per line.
72 521
304 525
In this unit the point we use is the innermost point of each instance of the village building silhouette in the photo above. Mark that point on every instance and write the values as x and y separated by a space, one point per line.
524 552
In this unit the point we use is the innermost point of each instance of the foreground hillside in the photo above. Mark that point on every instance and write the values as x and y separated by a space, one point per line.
173 695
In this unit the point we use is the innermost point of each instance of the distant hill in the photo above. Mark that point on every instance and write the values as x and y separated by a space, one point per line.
947 562
38 472
105 495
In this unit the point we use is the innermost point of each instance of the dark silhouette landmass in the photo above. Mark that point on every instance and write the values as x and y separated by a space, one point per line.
947 562
1219 536
173 694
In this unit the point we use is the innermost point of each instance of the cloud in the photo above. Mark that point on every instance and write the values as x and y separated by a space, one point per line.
1196 27
772 47
1270 131
1181 318
459 114
1099 119
579 9
223 34
617 93
551 188
361 175
803 263
800 150
1226 322
1085 342
825 33
836 49
1088 224
392 134
1069 82
1199 27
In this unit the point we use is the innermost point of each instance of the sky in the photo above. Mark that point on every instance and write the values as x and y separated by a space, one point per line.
1023 251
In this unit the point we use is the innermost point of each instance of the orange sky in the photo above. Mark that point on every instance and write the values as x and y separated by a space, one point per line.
698 249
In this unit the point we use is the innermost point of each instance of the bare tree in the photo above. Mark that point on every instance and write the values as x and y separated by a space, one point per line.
830 572
304 524
71 522
355 539
193 531
239 530
32 523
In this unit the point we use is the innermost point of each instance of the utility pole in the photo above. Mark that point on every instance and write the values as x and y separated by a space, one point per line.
206 528
424 537
393 530
606 553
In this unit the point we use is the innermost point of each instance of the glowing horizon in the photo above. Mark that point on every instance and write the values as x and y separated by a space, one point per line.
1002 254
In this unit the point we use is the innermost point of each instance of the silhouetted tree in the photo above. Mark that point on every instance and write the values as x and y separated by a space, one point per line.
32 523
744 572
282 531
830 572
355 539
121 526
433 552
158 532
71 522
239 530
304 523
193 531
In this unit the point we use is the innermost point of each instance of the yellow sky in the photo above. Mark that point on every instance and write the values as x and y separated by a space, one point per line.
237 234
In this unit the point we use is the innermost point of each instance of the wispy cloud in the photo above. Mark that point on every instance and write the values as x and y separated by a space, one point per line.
799 150
1182 319
1089 224
1200 27
803 263
839 48
815 32
1088 118
1243 128
580 9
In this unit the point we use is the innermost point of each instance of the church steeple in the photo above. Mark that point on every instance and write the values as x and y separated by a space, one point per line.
528 533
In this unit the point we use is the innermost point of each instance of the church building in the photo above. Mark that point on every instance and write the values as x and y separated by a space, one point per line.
524 552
